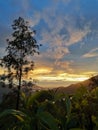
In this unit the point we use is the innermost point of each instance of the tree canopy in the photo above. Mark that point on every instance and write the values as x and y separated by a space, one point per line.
20 47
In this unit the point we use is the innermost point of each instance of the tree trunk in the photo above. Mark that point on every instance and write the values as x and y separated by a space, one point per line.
90 127
18 91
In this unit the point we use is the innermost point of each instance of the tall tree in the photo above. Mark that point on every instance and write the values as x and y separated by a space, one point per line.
20 47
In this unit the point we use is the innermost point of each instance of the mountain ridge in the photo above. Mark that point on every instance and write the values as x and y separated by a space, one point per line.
90 84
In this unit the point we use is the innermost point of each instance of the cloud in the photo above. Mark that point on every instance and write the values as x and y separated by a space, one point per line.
92 53
73 77
57 53
2 50
35 19
56 49
62 27
58 35
42 70
4 34
64 65
53 63
57 32
77 35
60 77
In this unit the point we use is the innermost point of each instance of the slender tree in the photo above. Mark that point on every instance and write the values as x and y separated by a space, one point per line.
20 47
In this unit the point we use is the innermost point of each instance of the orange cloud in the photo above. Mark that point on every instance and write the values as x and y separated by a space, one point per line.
45 75
43 71
62 77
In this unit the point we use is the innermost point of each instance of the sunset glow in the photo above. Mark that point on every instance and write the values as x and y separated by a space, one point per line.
42 71
68 32
47 76
63 78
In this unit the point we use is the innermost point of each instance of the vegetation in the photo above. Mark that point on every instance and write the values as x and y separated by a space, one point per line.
20 47
45 110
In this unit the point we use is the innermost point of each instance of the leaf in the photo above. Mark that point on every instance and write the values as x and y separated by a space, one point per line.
68 105
68 108
23 95
31 100
95 120
20 115
48 119
19 118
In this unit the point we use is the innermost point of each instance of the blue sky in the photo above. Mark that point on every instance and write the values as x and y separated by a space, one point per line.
68 31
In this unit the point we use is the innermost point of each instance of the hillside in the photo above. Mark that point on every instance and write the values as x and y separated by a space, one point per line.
89 84
4 89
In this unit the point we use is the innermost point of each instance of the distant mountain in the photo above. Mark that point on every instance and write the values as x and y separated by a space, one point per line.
4 89
89 84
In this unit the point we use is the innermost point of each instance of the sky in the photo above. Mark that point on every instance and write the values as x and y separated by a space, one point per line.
68 32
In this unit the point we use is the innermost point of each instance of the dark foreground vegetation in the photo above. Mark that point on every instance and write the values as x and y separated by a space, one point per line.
48 110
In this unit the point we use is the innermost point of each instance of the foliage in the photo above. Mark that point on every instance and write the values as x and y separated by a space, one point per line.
20 47
32 116
43 111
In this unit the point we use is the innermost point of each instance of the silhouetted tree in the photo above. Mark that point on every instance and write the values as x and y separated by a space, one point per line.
20 47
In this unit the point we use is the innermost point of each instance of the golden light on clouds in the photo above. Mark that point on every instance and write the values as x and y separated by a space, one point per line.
1 71
46 74
72 77
91 53
61 78
41 71
49 77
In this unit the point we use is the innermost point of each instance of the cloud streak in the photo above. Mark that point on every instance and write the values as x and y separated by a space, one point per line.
91 53
77 35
